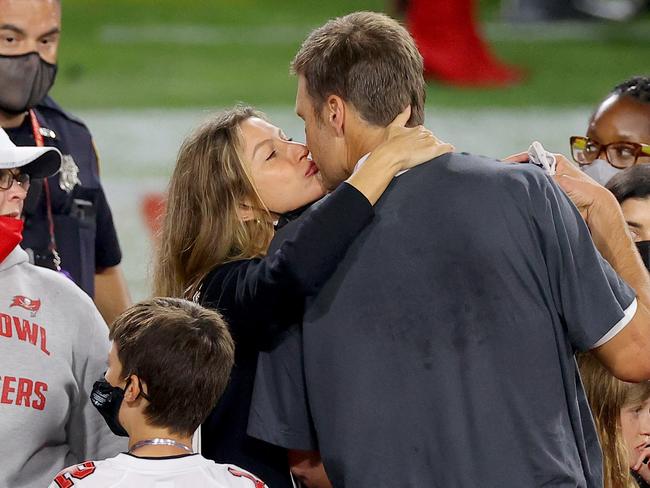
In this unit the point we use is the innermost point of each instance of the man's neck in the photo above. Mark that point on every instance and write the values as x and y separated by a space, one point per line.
148 433
9 121
364 141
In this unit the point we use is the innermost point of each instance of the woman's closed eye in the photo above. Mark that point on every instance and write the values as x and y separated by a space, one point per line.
273 153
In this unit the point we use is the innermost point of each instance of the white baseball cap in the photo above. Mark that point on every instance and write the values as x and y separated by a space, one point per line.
37 162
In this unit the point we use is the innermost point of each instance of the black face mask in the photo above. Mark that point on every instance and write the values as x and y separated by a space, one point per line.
644 251
24 81
107 399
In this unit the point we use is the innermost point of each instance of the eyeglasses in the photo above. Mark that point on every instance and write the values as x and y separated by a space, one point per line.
619 154
7 178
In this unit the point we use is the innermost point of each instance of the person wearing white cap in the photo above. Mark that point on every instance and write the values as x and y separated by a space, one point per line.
37 162
53 345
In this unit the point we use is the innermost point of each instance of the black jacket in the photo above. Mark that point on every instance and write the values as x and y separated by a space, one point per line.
258 298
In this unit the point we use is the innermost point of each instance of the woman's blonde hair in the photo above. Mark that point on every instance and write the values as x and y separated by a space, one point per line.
202 227
607 395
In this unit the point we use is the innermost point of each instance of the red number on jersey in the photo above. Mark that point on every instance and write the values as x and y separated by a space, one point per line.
78 472
241 474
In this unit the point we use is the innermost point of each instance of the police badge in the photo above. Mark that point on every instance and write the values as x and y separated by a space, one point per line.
68 174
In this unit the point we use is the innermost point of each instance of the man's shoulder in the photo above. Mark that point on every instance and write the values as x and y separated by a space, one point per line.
52 110
468 165
470 176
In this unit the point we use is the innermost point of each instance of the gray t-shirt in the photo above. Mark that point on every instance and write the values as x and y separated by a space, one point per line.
441 352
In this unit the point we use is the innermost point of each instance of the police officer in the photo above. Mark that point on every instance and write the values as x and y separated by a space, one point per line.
68 223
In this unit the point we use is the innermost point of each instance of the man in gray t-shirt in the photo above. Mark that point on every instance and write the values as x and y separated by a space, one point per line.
457 351
441 351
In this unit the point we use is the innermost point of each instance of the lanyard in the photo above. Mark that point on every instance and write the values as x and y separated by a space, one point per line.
160 442
38 138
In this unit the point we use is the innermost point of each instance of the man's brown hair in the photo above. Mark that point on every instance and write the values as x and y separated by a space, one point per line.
182 352
369 60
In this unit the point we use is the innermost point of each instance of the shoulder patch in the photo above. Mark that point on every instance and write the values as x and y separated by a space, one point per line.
243 474
67 477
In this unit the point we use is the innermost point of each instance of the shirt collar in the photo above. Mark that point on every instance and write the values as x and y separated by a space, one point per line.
360 162
363 160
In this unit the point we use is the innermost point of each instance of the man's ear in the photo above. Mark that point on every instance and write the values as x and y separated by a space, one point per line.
133 389
335 112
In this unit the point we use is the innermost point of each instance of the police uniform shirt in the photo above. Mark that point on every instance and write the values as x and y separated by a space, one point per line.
86 239
441 351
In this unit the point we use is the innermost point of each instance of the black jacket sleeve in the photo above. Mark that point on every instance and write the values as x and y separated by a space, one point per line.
258 294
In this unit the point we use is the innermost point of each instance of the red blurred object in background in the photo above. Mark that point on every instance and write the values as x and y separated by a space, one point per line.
454 52
153 210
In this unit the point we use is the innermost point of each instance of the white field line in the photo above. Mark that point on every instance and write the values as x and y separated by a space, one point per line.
203 34
282 34
568 31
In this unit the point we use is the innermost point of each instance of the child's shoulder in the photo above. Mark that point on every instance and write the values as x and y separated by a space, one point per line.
102 474
231 475
87 474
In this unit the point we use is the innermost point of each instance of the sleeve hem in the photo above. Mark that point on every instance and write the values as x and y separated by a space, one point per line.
287 440
619 326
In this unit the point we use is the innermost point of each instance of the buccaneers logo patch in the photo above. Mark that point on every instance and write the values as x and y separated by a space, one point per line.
27 303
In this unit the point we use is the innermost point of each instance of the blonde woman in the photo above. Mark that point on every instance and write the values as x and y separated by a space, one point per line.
622 414
235 176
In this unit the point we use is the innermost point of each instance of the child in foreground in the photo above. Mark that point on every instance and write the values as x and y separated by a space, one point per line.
169 363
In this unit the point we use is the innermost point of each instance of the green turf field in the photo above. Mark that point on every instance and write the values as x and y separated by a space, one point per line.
207 53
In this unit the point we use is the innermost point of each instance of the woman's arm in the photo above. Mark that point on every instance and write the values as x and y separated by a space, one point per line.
404 148
271 289
266 290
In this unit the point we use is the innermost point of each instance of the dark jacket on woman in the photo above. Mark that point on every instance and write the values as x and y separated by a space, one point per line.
640 481
258 298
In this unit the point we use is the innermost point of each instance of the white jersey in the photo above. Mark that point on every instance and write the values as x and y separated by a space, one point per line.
126 471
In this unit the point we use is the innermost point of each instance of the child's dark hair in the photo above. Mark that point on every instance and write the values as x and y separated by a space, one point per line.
634 182
182 352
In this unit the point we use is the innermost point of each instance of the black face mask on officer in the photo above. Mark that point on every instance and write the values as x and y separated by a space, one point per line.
644 251
107 399
25 80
